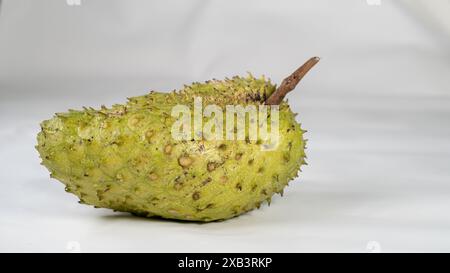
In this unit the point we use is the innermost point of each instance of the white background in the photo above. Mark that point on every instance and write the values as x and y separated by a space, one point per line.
377 108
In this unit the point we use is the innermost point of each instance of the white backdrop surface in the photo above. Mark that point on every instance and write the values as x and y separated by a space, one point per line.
377 108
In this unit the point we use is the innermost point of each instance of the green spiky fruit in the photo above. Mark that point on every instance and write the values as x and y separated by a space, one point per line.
124 157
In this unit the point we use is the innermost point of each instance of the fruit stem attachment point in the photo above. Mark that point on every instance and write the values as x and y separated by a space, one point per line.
288 84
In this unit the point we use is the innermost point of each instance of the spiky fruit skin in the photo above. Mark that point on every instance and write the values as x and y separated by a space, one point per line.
124 158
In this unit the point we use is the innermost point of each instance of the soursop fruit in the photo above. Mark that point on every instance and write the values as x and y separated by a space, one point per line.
125 157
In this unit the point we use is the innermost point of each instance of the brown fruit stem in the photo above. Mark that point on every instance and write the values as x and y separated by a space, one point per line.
288 84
